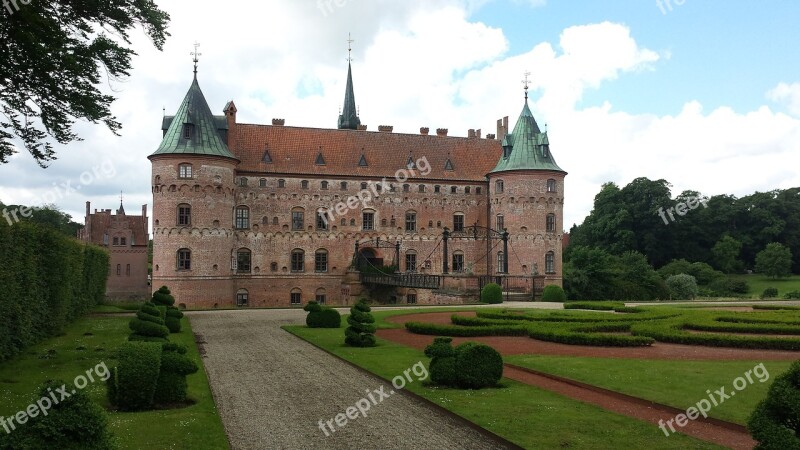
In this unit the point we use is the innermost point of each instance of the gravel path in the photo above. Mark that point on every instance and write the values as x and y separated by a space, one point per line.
272 388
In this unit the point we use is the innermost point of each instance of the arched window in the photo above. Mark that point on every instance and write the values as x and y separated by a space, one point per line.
242 297
551 223
185 171
458 261
298 260
501 263
498 187
454 189
304 184
298 218
422 188
321 260
363 185
406 187
157 180
184 215
243 257
343 185
411 261
319 296
500 223
296 296
243 182
184 258
322 220
352 222
551 185
411 221
550 262
275 220
242 217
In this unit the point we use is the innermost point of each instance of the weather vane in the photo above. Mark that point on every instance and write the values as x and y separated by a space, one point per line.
349 48
525 83
195 53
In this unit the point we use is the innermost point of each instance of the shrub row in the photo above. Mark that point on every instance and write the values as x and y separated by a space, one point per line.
673 333
575 318
597 306
435 329
564 336
740 319
48 280
776 308
723 327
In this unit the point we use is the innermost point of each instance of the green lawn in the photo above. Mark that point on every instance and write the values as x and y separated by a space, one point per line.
526 415
194 427
758 283
676 383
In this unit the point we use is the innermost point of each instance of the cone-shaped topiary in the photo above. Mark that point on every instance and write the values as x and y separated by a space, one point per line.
468 366
72 423
361 332
165 302
775 423
163 297
148 325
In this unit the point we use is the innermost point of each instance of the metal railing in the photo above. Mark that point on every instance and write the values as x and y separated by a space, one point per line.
412 280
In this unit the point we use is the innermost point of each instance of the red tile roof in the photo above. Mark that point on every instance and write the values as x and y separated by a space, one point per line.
293 150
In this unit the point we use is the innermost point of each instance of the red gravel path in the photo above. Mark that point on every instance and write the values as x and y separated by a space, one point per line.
711 430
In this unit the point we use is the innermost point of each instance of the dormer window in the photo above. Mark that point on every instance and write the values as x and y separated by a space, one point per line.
545 150
188 130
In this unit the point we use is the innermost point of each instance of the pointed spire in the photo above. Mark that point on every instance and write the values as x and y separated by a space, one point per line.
121 210
195 60
348 118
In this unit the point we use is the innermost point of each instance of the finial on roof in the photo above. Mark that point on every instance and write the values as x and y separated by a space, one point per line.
195 54
525 83
349 48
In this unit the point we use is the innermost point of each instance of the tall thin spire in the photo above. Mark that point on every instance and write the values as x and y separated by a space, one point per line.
525 83
195 55
348 118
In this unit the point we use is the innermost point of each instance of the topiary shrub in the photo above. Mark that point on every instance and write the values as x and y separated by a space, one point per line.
73 423
173 320
361 332
133 381
163 296
320 317
164 302
792 295
492 293
469 366
148 325
175 366
682 287
770 292
774 422
553 293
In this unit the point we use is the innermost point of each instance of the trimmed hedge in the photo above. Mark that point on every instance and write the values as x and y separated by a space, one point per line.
361 332
595 306
133 381
73 423
434 329
774 421
468 366
674 333
587 337
48 281
553 293
492 293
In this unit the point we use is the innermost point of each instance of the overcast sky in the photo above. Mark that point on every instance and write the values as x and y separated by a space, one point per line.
705 94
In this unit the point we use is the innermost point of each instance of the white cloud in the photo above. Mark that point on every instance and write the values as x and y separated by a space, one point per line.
788 94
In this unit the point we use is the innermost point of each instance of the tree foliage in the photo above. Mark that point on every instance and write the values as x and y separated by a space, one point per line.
774 261
55 55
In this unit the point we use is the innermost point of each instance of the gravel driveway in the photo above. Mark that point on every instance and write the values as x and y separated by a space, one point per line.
271 390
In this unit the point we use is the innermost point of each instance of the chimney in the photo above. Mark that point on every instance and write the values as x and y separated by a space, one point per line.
278 122
361 127
88 208
441 131
144 211
471 133
424 131
502 128
490 136
385 128
478 133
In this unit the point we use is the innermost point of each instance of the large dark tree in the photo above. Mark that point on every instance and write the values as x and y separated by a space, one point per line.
53 57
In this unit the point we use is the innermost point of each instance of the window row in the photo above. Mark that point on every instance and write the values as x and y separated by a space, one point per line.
499 186
127 270
295 296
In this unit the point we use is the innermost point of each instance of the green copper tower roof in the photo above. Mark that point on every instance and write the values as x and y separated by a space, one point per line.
348 119
527 147
193 130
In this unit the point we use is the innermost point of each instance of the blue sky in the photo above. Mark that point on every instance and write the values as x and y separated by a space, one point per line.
705 94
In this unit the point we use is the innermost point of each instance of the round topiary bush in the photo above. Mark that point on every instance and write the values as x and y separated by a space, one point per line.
775 420
478 365
682 287
361 332
74 422
329 318
492 293
163 297
770 292
553 293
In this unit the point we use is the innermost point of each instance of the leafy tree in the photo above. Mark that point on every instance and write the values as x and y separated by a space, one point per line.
587 273
726 254
52 56
774 261
682 287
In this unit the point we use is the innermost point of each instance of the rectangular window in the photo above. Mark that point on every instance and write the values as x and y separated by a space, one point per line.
296 298
501 263
242 218
184 260
119 269
184 215
437 188
368 221
116 240
458 262
549 263
322 220
128 270
466 190
243 262
304 184
411 221
122 241
184 171
551 223
411 262
343 185
243 182
262 182
297 261
241 299
500 223
477 191
458 222
321 299
321 262
453 189
411 298
551 185
297 220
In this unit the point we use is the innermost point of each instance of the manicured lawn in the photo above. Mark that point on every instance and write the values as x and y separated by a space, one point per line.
676 383
528 416
194 427
759 282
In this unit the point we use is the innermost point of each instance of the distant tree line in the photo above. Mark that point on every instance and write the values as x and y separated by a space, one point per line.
48 215
640 225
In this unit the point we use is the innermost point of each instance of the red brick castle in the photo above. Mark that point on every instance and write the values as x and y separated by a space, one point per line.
272 215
